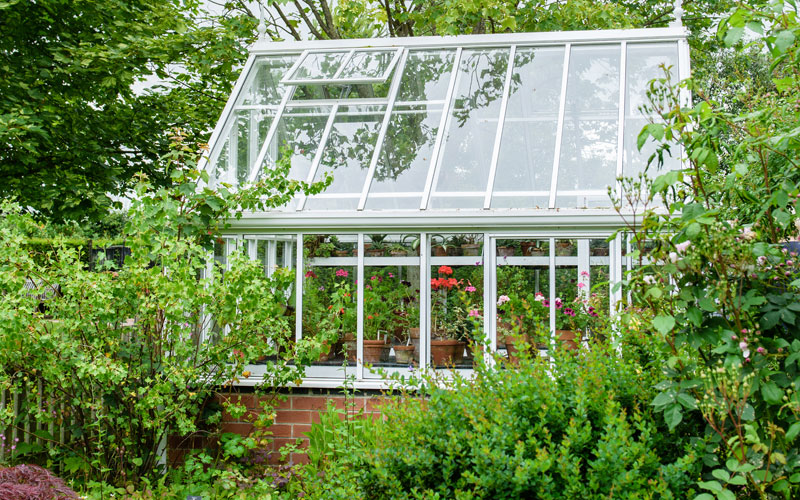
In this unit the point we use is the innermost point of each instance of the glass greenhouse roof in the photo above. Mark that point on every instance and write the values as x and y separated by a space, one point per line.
523 121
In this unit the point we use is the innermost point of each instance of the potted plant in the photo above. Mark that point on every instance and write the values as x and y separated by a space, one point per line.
377 246
398 250
454 243
341 249
506 248
598 248
564 248
444 344
439 245
533 248
414 242
470 246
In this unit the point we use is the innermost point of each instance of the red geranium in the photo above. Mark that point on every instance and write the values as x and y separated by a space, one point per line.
447 270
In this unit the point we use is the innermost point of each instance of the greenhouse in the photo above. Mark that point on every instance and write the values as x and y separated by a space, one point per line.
471 177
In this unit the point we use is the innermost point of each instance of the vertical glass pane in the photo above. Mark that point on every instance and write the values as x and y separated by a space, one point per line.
263 84
643 64
405 157
347 154
467 148
248 134
456 316
525 163
368 64
319 65
391 301
523 291
567 292
588 161
426 75
329 302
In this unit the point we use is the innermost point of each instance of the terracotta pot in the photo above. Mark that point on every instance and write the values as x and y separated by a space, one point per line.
453 251
375 351
505 251
327 352
529 249
439 251
404 354
351 347
443 352
600 251
471 249
373 252
414 334
570 338
563 249
398 253
341 253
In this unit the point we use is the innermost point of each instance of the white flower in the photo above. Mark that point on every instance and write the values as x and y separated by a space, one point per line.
673 257
748 233
539 296
503 299
649 280
681 247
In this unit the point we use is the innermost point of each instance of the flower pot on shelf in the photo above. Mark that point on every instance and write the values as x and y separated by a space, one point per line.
439 251
531 249
414 334
351 347
327 352
569 338
599 252
564 248
453 251
505 251
341 253
404 354
373 252
471 249
375 351
443 352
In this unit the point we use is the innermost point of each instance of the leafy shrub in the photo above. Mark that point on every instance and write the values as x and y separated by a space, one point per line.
31 482
581 427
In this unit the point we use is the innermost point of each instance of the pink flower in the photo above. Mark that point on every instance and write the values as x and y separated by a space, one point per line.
539 296
559 304
743 345
503 299
310 274
581 285
341 273
470 288
474 313
391 275
584 274
761 350
681 247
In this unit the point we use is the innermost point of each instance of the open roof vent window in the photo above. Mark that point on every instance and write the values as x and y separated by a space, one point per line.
343 67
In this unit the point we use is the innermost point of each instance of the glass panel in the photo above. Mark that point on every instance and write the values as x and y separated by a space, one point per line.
249 132
329 301
353 91
528 144
456 317
275 253
319 65
299 134
467 149
405 156
426 75
263 84
588 161
391 301
348 152
643 63
523 289
367 64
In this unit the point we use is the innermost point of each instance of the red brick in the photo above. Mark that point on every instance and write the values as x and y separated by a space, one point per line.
375 404
309 402
293 417
300 458
238 428
279 443
281 430
298 430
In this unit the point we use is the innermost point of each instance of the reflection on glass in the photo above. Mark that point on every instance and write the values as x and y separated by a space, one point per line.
392 301
588 159
525 163
318 65
405 156
298 134
644 63
263 83
456 315
367 64
426 75
348 151
467 149
248 134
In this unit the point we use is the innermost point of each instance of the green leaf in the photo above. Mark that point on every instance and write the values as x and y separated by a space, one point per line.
664 399
784 40
726 494
687 401
721 474
794 429
738 480
673 416
732 36
663 324
710 486
704 496
692 230
771 392
748 412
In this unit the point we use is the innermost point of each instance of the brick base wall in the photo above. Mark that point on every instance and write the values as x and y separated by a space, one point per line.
293 418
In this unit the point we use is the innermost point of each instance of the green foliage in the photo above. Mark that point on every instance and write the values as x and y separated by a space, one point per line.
723 288
581 429
124 358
